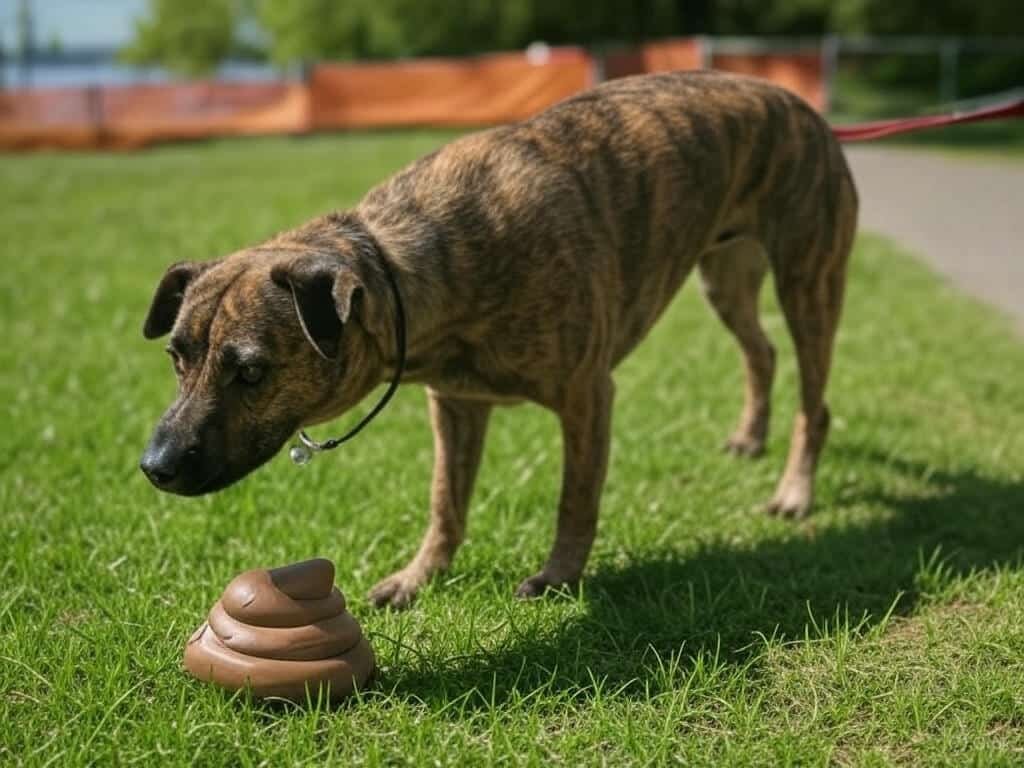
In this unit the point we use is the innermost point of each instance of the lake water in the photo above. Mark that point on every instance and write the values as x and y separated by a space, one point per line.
49 75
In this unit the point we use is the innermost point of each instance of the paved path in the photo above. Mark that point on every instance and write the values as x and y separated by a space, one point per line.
964 216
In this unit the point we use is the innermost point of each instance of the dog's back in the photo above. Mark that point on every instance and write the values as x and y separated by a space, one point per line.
607 200
563 238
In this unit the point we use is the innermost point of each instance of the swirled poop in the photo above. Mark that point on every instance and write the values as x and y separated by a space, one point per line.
283 632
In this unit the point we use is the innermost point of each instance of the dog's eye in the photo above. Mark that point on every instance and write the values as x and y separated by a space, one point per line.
176 360
250 374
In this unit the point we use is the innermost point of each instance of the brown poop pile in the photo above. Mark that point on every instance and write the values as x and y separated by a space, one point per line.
281 633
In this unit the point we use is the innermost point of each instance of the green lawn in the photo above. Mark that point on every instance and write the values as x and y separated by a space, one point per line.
886 629
857 99
997 140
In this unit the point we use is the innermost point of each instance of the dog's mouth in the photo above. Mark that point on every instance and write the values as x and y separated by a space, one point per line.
204 470
217 480
213 482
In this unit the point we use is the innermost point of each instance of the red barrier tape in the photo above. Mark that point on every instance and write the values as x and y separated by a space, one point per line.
880 128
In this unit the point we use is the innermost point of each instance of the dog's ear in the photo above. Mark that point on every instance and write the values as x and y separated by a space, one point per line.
325 292
163 310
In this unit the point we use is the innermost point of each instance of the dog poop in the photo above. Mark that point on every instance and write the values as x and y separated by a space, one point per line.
283 633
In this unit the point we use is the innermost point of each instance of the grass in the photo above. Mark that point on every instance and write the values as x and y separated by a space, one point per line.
858 99
886 629
997 140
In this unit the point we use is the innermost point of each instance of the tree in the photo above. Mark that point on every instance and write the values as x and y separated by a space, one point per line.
25 27
305 30
929 17
56 45
190 37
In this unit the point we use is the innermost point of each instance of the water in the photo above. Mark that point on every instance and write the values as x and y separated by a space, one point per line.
80 74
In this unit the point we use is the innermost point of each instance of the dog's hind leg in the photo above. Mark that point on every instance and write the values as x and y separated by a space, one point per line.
459 430
810 282
731 277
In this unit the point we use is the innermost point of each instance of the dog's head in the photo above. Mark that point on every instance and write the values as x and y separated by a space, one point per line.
263 342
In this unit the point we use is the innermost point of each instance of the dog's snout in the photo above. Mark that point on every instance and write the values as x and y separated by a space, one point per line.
167 462
159 473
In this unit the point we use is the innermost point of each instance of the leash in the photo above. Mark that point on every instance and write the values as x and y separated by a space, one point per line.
303 452
880 128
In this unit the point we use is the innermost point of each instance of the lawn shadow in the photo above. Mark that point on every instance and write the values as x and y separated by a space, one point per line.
719 601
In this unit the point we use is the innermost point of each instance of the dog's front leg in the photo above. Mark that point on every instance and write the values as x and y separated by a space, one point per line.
459 430
586 433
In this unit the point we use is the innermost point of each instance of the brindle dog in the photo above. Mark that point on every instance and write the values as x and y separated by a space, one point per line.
531 259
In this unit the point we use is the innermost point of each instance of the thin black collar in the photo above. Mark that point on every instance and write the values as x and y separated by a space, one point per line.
307 447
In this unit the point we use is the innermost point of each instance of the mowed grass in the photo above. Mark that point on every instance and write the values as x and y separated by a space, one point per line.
995 141
886 629
859 100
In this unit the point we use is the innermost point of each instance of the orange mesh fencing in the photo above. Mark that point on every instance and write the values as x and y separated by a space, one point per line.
483 90
664 56
137 115
800 72
59 117
143 114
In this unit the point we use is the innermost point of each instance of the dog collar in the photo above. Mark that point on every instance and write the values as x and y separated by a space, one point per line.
303 452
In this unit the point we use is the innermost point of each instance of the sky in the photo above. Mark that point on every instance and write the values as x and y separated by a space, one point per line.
76 23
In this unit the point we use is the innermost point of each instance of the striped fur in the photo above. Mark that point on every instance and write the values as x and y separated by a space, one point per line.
532 258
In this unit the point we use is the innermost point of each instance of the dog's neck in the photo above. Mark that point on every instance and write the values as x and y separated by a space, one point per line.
426 299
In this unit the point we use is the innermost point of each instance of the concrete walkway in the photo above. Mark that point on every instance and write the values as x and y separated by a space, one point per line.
963 216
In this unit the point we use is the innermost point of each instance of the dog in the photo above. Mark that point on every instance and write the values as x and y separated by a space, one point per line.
529 260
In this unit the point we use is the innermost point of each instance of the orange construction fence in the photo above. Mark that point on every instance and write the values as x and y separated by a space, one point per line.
799 71
666 56
137 115
58 117
481 90
145 114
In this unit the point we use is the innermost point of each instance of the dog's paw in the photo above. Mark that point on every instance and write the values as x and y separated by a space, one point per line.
541 583
789 505
398 590
744 446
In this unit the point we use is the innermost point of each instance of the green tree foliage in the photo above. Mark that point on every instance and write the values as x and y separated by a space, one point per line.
303 30
977 72
190 37
311 29
923 17
774 17
428 27
604 21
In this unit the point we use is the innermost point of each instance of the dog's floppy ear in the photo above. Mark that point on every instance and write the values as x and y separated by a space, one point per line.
163 311
325 292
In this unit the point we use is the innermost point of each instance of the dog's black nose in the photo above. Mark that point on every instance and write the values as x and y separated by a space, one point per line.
164 461
158 474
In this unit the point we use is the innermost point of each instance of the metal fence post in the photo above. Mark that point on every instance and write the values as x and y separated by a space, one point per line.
707 51
597 65
829 65
94 104
950 54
